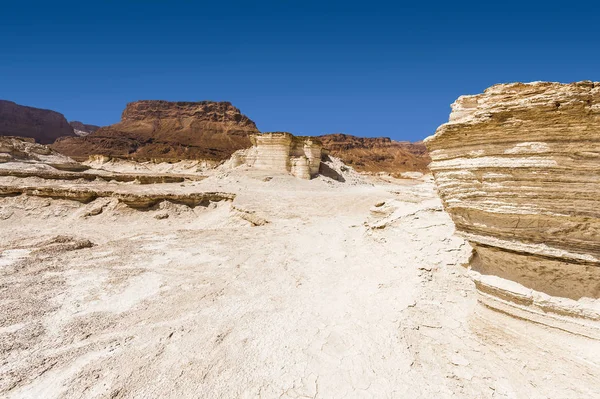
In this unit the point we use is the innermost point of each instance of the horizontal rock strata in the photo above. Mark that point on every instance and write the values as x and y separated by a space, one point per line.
138 200
153 129
377 154
27 151
518 169
141 178
282 152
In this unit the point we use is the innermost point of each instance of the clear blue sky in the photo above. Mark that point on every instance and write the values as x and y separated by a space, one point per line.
369 69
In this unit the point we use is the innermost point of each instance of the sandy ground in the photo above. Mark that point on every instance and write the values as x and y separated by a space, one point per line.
335 290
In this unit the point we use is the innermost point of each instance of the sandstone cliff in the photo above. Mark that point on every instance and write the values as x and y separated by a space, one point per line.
43 125
282 152
168 130
379 154
518 168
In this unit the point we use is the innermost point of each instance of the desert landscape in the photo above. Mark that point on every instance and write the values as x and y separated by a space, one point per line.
183 253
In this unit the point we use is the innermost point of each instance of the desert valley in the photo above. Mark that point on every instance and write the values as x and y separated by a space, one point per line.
182 253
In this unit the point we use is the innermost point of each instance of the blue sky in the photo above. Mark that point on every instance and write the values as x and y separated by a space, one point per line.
363 68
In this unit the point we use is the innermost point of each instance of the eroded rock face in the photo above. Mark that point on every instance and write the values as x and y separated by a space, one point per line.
518 169
377 154
43 125
27 151
282 152
154 129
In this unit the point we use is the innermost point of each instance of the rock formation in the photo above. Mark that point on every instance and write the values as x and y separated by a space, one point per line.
282 152
43 125
133 199
27 151
82 129
167 130
517 168
378 154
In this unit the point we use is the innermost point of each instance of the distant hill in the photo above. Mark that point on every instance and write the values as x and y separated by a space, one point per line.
380 154
43 125
167 130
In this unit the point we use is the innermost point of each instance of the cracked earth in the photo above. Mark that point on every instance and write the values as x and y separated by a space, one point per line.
339 291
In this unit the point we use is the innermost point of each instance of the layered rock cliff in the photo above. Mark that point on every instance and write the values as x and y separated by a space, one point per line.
168 130
378 154
43 125
282 152
518 169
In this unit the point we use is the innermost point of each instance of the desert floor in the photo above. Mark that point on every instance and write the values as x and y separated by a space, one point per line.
296 289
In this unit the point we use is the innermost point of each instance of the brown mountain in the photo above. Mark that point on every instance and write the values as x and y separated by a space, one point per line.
43 125
379 154
167 130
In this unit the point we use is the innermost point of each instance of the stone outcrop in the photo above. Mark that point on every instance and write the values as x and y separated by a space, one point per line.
518 169
22 158
27 151
82 129
377 154
138 200
43 125
282 152
167 130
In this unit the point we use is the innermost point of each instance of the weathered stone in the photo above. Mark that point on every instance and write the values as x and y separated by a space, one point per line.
138 200
27 151
518 169
282 152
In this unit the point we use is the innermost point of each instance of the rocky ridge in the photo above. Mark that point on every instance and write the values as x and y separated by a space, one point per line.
377 154
153 129
43 125
517 169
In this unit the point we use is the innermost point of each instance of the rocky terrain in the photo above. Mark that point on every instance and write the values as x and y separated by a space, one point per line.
250 282
517 169
82 129
378 154
167 130
282 152
43 125
206 130
237 279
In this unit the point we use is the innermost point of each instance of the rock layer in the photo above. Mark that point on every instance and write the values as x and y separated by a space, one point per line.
517 168
27 151
377 154
43 125
167 130
282 152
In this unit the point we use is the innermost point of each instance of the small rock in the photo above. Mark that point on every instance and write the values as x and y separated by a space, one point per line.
162 215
